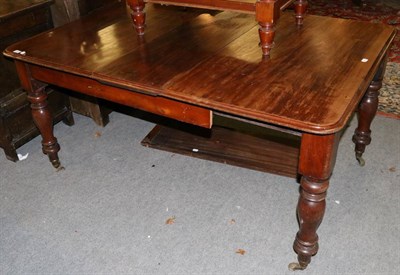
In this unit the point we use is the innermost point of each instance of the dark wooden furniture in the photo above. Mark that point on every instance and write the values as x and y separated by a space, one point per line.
190 70
20 19
267 13
362 3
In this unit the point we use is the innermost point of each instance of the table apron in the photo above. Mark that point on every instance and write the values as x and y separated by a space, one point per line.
151 103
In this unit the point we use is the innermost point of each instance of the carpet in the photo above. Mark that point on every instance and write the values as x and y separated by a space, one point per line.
384 11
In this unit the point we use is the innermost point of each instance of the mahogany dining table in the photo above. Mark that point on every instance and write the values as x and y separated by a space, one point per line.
191 66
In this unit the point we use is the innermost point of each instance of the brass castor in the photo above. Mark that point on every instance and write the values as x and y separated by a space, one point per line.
297 266
360 160
60 168
56 164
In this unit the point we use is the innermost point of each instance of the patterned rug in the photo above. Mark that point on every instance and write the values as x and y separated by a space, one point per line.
383 11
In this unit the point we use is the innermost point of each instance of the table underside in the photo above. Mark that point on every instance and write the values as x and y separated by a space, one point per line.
231 142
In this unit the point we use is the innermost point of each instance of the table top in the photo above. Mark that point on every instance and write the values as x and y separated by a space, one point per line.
9 8
313 81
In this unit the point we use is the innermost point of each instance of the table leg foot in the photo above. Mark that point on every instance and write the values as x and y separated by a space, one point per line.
302 263
310 211
360 159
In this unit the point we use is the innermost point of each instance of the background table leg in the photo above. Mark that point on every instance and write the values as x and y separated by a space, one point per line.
267 13
317 159
366 113
300 8
138 15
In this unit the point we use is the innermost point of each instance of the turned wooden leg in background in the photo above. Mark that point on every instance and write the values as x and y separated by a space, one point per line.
317 159
300 8
137 14
40 113
267 34
366 113
267 13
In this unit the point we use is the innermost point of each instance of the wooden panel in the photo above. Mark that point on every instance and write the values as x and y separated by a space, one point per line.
23 22
13 8
250 147
151 103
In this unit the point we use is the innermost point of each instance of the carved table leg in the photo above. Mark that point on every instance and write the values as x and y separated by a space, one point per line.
267 13
317 159
300 9
366 113
41 114
43 120
137 14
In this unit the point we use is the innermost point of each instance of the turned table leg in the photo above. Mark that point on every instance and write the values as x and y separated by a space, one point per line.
137 14
300 8
317 159
267 13
366 113
41 114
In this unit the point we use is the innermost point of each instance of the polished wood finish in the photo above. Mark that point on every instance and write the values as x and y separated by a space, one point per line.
19 20
188 68
267 13
65 11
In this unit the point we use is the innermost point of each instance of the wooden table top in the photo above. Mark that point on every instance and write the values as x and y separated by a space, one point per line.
312 82
9 8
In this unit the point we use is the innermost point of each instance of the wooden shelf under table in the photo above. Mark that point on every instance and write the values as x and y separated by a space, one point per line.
233 143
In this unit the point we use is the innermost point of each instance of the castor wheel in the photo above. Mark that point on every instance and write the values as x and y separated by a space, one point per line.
297 266
360 160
